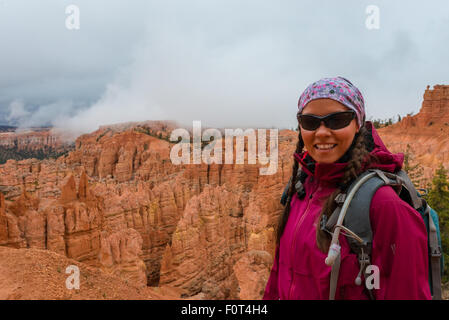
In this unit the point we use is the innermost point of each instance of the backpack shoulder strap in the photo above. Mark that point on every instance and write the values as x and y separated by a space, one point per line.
435 255
357 217
357 220
413 199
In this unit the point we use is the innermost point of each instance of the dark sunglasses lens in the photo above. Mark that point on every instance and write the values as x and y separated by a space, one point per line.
309 122
340 120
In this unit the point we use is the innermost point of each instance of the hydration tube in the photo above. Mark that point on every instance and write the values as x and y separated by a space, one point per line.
334 249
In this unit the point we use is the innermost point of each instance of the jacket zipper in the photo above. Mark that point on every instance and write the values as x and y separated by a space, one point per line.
298 224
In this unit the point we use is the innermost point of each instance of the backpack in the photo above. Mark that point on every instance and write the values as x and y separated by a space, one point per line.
352 216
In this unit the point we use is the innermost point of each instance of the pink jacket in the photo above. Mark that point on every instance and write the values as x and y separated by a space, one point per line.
399 242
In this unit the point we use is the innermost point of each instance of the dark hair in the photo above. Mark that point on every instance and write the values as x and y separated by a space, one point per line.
358 154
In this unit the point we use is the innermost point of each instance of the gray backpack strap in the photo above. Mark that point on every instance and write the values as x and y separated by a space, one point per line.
357 217
357 220
435 252
408 185
328 224
334 278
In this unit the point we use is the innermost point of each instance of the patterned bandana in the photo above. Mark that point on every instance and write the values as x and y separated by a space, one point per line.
338 89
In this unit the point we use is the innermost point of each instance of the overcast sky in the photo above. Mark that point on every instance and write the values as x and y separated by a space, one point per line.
226 63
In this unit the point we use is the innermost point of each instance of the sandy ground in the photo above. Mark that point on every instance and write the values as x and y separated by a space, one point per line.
40 274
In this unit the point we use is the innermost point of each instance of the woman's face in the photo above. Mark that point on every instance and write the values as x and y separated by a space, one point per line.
341 138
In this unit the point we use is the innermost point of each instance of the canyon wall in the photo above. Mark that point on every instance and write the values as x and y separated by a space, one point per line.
40 143
426 133
117 203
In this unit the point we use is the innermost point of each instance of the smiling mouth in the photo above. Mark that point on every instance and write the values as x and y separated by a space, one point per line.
325 146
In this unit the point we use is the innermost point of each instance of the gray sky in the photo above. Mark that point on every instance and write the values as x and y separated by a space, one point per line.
226 63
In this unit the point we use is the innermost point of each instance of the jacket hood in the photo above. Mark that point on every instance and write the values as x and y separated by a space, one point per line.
333 172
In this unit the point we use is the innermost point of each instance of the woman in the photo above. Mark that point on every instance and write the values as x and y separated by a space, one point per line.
338 149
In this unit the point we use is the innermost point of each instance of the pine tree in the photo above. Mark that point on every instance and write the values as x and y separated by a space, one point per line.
377 123
390 122
438 199
415 172
438 196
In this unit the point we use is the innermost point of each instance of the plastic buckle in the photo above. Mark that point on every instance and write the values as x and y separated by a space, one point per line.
399 180
299 187
364 259
323 223
340 198
436 252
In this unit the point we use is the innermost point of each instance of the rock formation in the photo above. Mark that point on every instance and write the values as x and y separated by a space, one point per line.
37 143
120 255
118 203
30 139
3 221
427 133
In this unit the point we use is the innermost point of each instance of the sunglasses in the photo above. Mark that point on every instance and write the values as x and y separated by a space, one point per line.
333 121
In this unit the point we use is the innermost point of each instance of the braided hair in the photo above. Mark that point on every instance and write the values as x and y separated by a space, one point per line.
283 218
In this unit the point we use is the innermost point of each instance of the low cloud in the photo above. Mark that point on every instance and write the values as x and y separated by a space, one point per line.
17 112
226 64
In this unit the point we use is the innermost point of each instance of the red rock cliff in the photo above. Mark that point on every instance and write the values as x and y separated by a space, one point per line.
427 133
118 203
